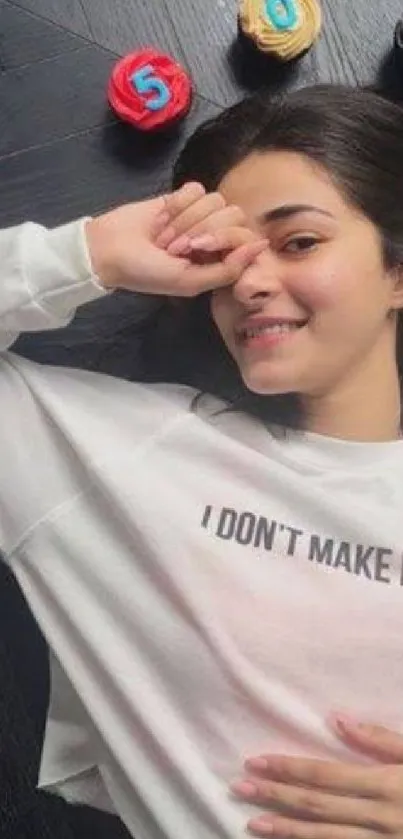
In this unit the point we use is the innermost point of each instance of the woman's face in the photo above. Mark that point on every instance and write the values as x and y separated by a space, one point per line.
314 309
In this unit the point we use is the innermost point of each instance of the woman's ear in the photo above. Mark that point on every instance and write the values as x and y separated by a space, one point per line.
397 290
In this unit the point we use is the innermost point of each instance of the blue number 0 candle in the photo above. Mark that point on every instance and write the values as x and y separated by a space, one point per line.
282 13
283 29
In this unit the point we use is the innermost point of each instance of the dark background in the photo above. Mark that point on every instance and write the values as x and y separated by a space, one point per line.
62 155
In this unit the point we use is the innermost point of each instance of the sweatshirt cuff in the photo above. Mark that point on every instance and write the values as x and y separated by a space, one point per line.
58 270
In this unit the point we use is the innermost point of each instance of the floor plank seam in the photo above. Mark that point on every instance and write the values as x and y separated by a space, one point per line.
106 50
338 43
86 41
18 67
14 4
81 133
87 19
182 50
171 19
38 146
209 101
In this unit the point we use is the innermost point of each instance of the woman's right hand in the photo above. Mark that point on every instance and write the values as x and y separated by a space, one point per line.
179 245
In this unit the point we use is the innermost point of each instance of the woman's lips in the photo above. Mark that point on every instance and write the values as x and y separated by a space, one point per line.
269 336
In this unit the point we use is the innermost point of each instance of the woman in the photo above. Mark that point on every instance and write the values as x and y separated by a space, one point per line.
212 587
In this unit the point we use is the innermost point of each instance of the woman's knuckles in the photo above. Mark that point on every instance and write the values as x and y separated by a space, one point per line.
235 237
391 784
177 202
223 219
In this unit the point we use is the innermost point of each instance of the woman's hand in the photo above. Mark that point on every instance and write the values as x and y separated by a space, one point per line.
320 799
181 244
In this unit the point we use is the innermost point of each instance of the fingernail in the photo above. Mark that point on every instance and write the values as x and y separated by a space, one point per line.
256 763
202 242
166 237
344 721
261 826
179 245
244 788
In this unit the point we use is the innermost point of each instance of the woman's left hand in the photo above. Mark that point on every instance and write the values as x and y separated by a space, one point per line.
322 799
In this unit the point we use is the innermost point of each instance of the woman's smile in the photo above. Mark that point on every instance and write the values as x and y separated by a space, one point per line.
268 333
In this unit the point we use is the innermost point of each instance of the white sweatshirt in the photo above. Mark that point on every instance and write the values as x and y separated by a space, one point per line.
209 591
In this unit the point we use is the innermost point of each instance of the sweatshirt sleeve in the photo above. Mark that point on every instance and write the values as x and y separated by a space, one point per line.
44 276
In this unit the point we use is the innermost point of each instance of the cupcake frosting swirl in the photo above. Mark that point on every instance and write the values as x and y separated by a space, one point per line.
285 42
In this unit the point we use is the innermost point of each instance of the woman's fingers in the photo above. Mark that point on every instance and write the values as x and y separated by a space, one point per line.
224 241
333 776
175 205
191 212
287 828
199 217
207 226
195 217
198 278
179 201
306 803
210 241
375 740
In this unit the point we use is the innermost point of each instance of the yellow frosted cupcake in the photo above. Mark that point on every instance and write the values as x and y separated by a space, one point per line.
282 28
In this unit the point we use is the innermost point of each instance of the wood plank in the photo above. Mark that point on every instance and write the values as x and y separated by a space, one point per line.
66 13
221 69
126 25
206 31
356 40
61 96
87 173
25 39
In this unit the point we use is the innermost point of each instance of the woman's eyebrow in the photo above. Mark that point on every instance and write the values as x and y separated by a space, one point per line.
287 210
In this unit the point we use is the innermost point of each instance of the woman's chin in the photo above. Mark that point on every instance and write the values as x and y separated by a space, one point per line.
268 388
265 383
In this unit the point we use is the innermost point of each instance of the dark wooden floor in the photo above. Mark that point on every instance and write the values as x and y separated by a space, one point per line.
63 154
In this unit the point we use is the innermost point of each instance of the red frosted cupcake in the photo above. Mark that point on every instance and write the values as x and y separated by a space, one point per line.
149 90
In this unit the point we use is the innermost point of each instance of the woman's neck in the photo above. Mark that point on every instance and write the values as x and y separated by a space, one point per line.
364 408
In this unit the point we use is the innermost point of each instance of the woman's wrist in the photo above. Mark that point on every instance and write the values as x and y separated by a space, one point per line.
99 253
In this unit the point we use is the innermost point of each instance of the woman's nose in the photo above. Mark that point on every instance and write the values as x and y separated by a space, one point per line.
261 279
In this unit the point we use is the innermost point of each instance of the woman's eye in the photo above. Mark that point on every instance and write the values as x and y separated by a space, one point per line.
300 244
